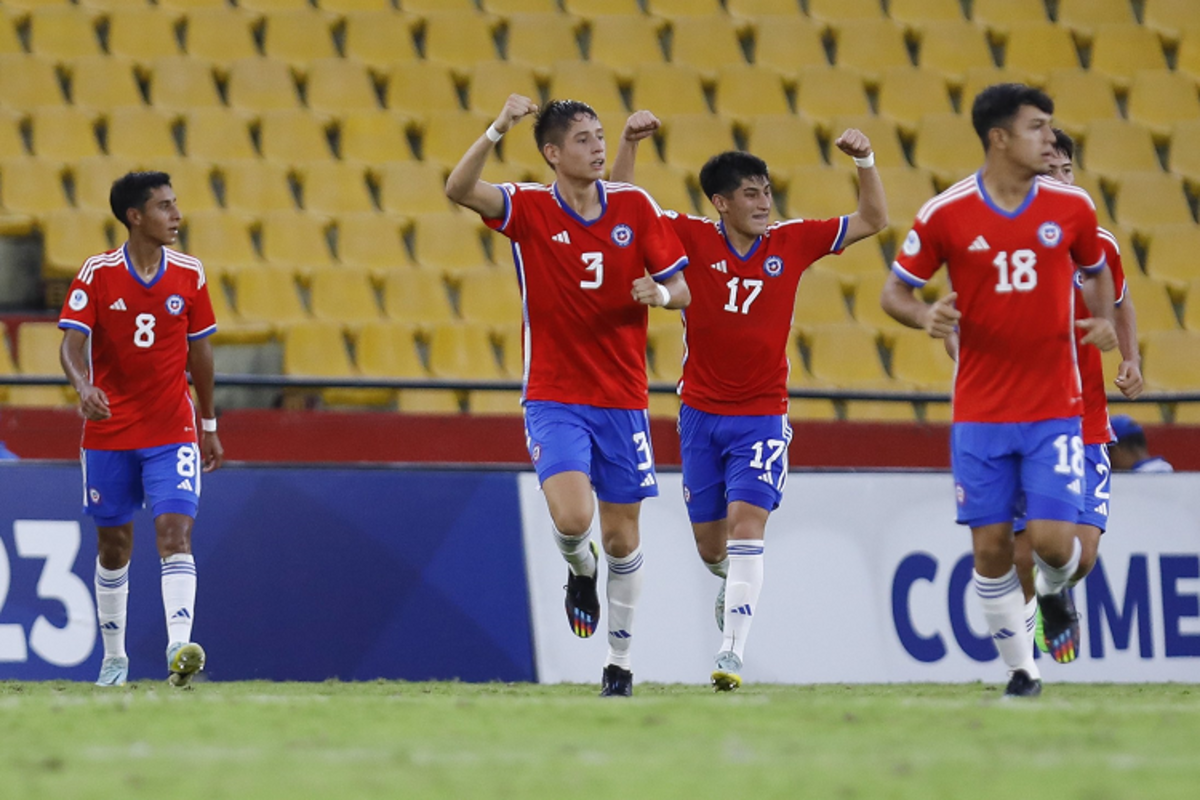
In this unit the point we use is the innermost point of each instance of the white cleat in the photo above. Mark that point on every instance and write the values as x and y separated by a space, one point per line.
184 659
114 671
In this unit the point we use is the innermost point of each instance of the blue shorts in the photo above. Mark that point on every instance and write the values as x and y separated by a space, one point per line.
116 483
1096 472
609 445
1004 469
727 458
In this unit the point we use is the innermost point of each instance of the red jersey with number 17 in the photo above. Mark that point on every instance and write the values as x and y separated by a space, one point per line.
585 335
1014 275
139 346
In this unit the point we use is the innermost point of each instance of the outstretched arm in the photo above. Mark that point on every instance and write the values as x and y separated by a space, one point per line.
640 125
464 185
200 364
871 216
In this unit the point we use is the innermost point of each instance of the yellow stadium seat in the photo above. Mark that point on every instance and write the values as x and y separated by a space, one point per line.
65 133
1185 150
1169 361
38 345
590 8
920 360
62 32
94 176
218 133
261 84
1152 303
996 13
9 41
784 141
372 241
867 309
1081 96
625 41
71 236
144 133
954 47
540 39
808 409
103 82
925 11
907 94
884 136
231 328
684 9
143 33
297 35
220 35
510 338
1086 14
707 41
191 179
28 82
1091 183
446 135
412 188
373 137
182 83
1191 309
1159 99
594 83
274 6
847 356
843 10
449 241
870 46
11 143
491 82
495 402
751 9
7 365
879 411
192 5
514 7
826 92
295 240
462 350
465 7
821 299
318 349
1039 48
979 78
667 184
691 139
818 192
453 37
1171 255
489 296
859 259
1111 146
293 136
907 190
343 295
269 294
416 297
745 90
947 145
1171 17
421 87
339 85
520 151
666 350
1188 57
789 43
1119 51
333 187
669 89
221 240
389 350
379 38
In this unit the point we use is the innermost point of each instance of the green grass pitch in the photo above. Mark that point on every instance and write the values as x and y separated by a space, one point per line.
246 741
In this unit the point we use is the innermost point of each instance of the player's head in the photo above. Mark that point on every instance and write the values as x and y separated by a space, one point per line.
1130 446
146 202
1013 121
570 138
739 187
1061 168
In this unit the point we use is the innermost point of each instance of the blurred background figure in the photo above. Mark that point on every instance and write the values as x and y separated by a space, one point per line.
1129 452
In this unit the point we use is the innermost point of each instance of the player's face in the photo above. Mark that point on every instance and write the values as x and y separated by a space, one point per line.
1061 169
582 153
1031 140
159 218
747 209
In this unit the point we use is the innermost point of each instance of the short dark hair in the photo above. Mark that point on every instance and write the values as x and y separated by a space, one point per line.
132 190
724 172
555 118
998 104
1064 144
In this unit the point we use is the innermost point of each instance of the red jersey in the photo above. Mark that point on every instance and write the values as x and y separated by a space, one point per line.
1014 275
139 346
1091 367
737 327
585 335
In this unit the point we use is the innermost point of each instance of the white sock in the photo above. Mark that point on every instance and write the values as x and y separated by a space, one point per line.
1031 615
623 588
576 552
720 569
112 600
742 588
1052 580
179 596
1004 609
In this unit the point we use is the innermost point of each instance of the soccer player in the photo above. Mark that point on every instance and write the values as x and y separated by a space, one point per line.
135 322
1130 452
590 257
1011 239
733 424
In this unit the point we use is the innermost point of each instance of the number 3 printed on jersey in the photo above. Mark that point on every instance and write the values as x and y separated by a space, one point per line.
594 263
1023 274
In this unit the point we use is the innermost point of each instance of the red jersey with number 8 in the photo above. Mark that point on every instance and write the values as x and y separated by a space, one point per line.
139 346
1013 272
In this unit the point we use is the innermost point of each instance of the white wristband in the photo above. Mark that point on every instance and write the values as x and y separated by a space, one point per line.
866 162
208 425
493 134
664 293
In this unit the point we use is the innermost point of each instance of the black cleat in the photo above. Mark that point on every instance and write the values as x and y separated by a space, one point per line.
1060 626
616 682
1021 685
583 604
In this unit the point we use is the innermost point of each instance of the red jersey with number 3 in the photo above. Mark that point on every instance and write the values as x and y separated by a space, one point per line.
139 346
1014 275
1091 366
737 326
585 335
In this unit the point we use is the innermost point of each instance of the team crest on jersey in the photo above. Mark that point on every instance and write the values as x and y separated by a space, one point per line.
773 266
622 235
78 301
175 304
912 244
94 496
1049 234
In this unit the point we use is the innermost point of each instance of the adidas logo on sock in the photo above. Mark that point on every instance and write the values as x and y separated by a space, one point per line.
621 634
742 609
110 626
181 614
186 485
979 244
1003 633
648 480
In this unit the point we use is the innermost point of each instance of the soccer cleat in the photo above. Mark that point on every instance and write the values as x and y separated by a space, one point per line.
184 659
719 607
1039 631
727 676
1021 685
1060 626
114 671
616 682
583 604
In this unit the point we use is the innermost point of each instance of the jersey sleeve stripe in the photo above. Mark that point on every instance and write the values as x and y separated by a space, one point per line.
74 325
906 276
843 225
507 217
1108 237
200 334
963 188
662 275
1094 268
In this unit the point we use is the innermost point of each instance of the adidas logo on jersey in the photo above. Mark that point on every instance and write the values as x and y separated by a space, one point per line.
119 305
979 244
1075 487
720 266
766 478
648 481
562 238
1101 509
186 485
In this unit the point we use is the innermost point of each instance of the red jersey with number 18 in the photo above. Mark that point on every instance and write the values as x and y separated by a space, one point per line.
1014 275
139 346
585 335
